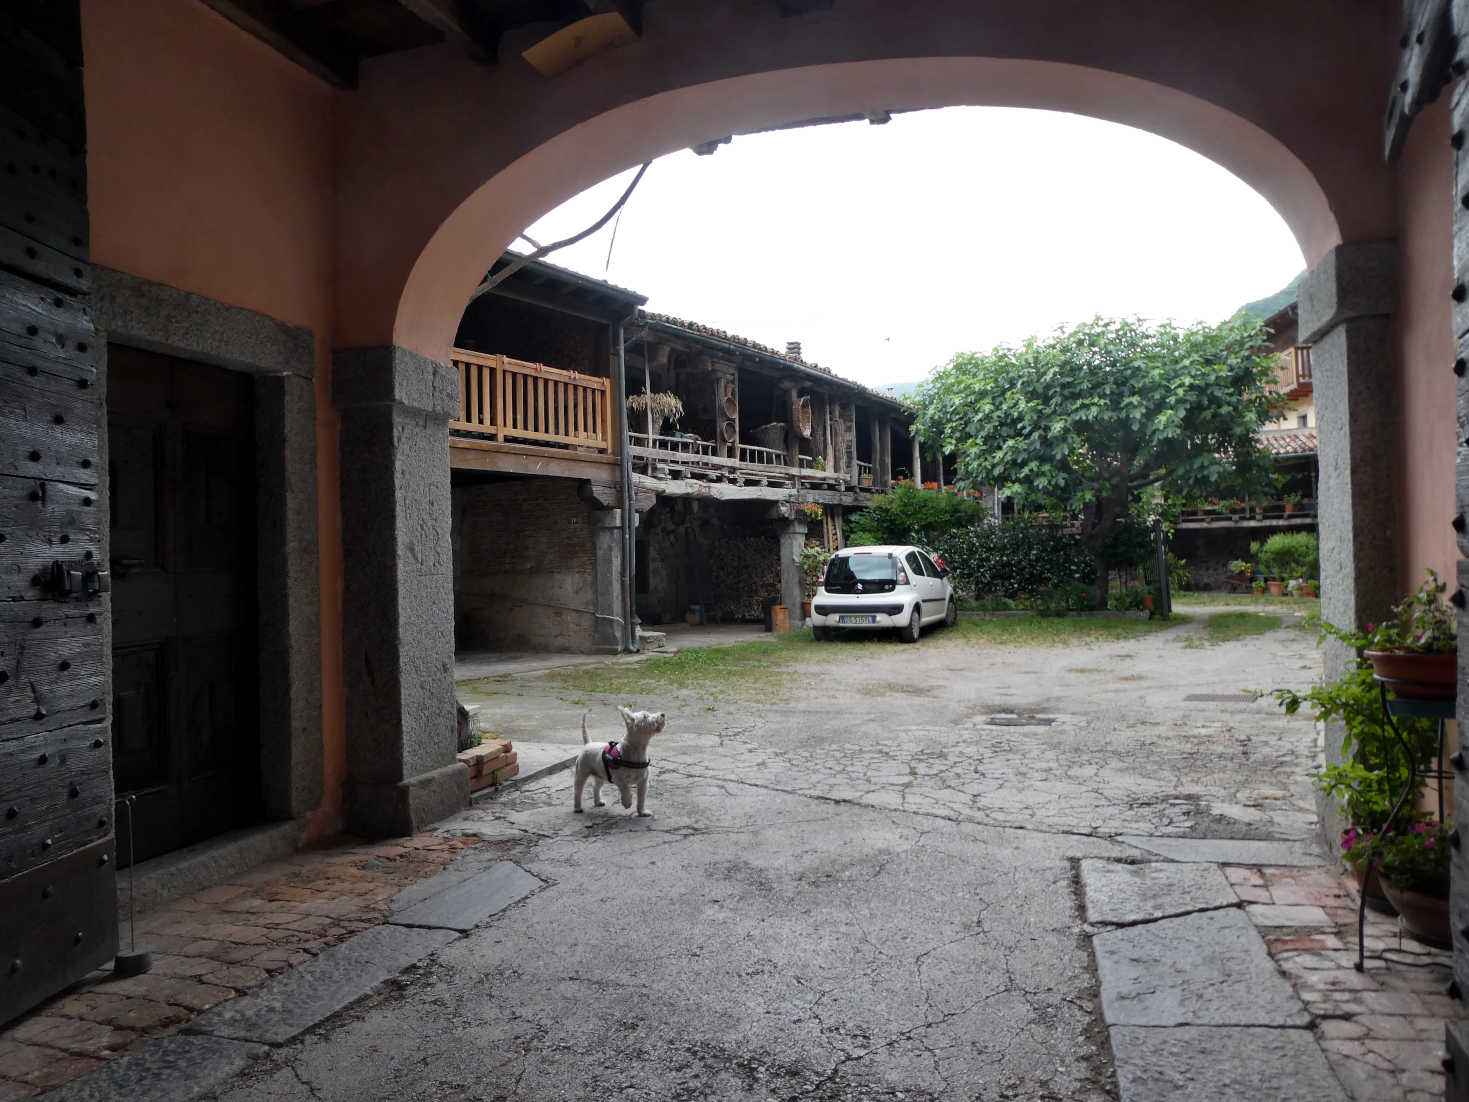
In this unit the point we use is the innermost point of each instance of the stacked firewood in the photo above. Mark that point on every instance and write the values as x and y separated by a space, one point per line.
492 762
745 573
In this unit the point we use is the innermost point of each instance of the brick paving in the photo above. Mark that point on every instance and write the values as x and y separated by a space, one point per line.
212 946
1383 1029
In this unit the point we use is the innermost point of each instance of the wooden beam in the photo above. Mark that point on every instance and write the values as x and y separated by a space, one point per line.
284 30
461 23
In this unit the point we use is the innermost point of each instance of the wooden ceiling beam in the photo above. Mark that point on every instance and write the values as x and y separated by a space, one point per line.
461 23
282 29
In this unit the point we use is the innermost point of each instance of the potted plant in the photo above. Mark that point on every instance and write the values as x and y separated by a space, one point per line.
1368 781
1292 502
1413 864
1416 650
811 561
1258 587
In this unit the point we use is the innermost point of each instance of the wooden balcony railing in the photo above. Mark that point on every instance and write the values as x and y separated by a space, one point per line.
676 445
1301 354
752 455
510 400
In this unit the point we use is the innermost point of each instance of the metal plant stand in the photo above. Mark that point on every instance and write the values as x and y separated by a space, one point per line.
1441 710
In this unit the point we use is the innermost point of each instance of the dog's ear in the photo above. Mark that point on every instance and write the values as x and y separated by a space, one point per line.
627 717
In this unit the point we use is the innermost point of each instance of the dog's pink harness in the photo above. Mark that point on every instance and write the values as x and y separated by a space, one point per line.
612 758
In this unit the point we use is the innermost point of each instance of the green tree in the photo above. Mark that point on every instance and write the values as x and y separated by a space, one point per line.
1084 422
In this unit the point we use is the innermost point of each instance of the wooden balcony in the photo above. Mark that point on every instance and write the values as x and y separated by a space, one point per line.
556 422
689 457
1275 514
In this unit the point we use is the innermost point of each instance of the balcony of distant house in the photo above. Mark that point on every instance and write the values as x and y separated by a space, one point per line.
1293 505
750 416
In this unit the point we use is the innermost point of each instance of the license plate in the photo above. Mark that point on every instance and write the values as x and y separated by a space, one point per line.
856 619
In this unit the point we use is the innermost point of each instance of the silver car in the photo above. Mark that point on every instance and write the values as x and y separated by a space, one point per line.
880 588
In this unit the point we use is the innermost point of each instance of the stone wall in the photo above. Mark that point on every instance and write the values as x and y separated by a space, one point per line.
525 567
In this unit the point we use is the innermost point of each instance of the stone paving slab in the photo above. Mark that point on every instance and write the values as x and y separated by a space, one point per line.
1279 914
172 1069
1227 851
296 1000
1230 1064
465 905
1208 969
1121 894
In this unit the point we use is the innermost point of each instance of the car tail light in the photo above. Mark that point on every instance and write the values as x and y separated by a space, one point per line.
893 610
902 576
938 562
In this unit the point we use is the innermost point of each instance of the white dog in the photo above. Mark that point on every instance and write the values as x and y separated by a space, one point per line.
624 765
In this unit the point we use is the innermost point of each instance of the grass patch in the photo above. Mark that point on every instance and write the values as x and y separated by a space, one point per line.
1052 631
741 671
1247 600
762 669
1225 627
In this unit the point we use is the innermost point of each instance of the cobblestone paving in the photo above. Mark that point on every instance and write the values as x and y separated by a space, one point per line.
1382 1029
212 946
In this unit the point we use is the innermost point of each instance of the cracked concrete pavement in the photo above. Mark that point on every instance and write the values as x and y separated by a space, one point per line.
864 890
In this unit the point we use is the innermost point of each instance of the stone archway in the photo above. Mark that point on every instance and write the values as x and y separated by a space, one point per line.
489 218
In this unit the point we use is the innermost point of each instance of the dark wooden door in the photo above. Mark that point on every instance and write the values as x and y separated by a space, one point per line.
184 670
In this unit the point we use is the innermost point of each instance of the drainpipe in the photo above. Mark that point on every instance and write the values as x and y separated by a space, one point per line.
629 502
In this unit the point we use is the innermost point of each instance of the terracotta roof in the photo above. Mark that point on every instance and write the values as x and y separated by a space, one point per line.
1289 441
699 330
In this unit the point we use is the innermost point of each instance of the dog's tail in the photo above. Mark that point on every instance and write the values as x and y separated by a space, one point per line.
584 739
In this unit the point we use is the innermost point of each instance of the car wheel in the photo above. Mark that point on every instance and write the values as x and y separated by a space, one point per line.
909 633
820 634
951 614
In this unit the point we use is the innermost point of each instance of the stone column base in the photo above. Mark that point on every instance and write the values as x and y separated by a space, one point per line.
393 810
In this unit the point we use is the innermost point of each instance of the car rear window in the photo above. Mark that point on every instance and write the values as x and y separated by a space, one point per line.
863 568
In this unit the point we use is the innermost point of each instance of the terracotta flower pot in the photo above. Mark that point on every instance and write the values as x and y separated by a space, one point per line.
1370 885
1416 676
1424 917
1276 587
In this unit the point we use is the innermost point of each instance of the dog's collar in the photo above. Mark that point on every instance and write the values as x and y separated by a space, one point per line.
612 759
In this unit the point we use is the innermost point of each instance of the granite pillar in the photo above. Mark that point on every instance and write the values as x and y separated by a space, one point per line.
1346 304
791 537
607 537
398 599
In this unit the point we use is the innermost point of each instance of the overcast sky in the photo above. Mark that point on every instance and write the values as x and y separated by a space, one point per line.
887 249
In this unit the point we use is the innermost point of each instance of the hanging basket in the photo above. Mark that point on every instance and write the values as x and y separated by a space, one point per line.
731 407
1413 676
803 417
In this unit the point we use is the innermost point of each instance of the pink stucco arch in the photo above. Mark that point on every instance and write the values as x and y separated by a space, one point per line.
456 255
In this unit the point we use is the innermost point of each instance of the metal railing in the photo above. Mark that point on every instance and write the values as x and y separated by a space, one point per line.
530 403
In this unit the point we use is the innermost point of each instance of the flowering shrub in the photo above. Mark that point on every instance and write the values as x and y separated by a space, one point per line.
1415 859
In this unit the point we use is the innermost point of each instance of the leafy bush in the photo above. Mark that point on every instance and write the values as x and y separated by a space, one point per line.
912 515
1289 555
1368 780
1127 600
1014 556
